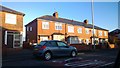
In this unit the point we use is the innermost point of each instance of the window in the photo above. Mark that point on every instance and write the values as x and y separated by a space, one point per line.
71 29
43 38
87 31
41 43
45 25
30 28
79 30
80 40
72 40
87 41
61 44
100 33
58 37
105 33
27 28
10 18
58 26
54 44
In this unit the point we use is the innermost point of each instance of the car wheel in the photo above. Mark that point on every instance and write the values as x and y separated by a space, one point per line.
73 53
47 56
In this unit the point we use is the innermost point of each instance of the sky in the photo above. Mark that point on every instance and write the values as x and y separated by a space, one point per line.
105 13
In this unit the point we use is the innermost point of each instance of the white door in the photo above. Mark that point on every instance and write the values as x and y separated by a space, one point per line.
43 38
58 37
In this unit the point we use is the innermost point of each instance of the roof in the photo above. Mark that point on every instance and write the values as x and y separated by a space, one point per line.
3 8
116 31
68 21
57 34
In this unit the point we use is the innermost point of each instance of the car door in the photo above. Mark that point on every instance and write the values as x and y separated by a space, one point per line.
53 47
64 49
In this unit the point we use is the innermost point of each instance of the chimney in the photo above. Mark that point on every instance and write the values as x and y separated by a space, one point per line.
55 14
86 21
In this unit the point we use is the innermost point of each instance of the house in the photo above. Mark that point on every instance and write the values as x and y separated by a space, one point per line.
11 27
55 28
114 37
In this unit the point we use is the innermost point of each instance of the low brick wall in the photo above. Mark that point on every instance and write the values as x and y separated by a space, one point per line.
27 46
82 47
87 47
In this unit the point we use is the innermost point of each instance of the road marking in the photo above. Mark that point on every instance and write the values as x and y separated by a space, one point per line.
108 64
81 53
84 63
71 59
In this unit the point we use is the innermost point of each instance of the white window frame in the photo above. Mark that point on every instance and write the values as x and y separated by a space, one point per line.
6 37
71 29
58 26
10 18
87 41
100 33
80 40
42 38
79 30
31 28
105 33
45 25
87 31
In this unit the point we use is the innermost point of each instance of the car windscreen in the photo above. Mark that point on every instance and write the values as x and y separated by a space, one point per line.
41 43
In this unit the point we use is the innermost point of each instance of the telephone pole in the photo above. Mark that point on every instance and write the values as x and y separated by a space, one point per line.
92 10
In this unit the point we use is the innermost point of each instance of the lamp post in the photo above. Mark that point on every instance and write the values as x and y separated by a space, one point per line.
92 10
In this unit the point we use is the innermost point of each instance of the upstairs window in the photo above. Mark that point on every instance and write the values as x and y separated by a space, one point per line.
87 31
30 28
79 30
100 33
45 25
58 26
10 18
105 33
71 29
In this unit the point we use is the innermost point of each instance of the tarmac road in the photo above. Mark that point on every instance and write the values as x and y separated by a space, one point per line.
84 59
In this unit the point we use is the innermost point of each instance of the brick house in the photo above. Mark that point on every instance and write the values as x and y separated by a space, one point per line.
114 37
55 28
11 27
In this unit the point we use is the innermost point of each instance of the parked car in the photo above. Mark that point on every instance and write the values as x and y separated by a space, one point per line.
50 48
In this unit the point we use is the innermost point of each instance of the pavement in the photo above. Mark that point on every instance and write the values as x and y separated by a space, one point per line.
17 54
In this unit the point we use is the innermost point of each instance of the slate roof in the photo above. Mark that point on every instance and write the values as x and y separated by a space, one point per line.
3 8
68 21
116 31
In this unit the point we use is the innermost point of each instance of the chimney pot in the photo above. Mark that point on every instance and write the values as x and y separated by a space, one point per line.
86 21
55 14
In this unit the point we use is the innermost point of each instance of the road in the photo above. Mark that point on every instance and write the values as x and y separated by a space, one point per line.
84 59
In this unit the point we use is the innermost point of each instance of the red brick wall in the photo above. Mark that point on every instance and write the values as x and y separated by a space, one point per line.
18 26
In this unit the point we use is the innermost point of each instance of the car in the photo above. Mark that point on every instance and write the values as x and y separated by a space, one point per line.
50 48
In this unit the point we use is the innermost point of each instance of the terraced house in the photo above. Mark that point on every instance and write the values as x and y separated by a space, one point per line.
11 27
55 28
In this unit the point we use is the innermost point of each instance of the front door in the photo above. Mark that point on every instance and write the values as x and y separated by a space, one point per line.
10 41
13 39
59 37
